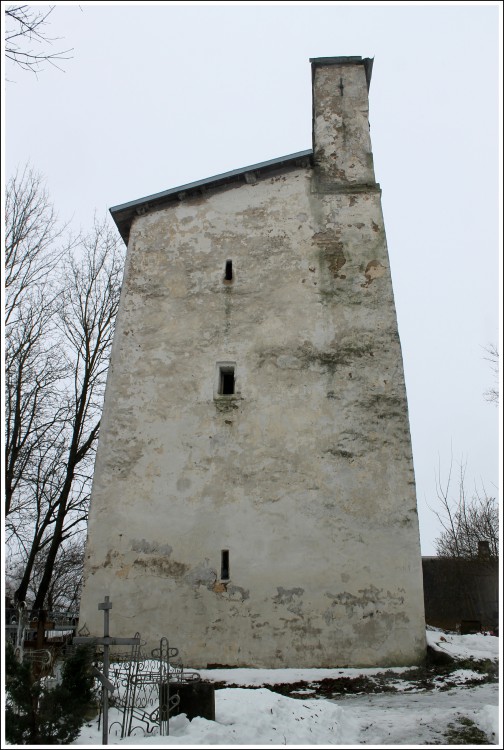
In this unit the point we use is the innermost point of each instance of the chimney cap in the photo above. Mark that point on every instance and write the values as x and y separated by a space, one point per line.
335 60
355 60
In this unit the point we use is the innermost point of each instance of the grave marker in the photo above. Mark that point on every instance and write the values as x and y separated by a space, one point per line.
106 642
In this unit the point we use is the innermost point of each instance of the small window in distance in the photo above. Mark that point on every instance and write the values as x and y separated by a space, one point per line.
224 565
228 274
226 380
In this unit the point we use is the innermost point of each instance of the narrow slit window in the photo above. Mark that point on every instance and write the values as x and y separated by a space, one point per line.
227 381
224 565
228 274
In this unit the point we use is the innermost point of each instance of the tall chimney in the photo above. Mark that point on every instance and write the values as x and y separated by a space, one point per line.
341 141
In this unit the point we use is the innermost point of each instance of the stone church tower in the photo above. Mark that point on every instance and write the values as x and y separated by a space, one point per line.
254 495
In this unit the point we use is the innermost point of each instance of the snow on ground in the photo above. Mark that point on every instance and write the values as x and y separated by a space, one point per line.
422 718
252 717
412 716
478 647
251 677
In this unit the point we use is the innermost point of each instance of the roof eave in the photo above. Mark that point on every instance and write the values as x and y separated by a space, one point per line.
124 214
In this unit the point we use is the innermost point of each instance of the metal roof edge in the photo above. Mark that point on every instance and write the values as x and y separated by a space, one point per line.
124 213
341 60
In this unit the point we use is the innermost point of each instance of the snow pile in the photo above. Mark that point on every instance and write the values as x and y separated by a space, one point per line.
250 717
477 647
262 717
487 719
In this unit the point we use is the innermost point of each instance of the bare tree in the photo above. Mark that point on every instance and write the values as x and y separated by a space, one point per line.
86 319
66 582
470 525
61 302
26 38
492 393
34 244
32 235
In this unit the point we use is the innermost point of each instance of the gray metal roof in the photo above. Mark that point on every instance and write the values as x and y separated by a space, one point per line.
124 214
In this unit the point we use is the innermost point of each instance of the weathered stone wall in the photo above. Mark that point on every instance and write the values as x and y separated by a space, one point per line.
305 474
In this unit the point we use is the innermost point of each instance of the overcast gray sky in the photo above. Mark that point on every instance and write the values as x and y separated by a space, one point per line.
159 95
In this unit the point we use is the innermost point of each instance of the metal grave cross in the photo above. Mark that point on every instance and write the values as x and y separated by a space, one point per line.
106 642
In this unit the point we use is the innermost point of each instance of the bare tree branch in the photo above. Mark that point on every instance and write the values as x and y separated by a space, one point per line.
66 583
492 393
33 238
33 365
26 38
470 525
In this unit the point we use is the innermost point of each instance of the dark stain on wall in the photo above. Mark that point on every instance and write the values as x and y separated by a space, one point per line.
327 359
161 566
331 253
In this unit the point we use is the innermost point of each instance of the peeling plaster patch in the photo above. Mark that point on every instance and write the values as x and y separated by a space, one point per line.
107 562
385 406
303 630
109 558
160 566
260 624
358 442
202 575
124 571
225 405
286 597
328 616
371 601
370 611
332 253
378 630
127 455
151 548
374 270
339 453
237 593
